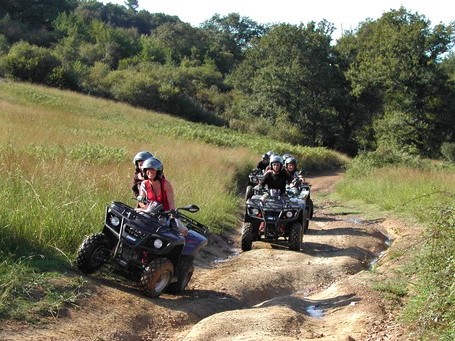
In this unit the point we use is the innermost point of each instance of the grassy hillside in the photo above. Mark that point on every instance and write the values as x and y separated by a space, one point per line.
64 156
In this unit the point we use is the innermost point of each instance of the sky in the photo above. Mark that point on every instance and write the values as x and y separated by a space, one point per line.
344 14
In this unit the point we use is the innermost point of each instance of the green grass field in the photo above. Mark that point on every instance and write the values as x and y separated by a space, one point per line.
64 156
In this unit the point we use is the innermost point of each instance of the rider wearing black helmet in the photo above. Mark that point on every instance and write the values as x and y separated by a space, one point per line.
262 165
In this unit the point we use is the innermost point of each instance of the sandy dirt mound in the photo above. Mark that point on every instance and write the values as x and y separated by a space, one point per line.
269 293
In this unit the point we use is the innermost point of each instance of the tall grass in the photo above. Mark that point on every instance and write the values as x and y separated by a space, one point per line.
424 192
64 156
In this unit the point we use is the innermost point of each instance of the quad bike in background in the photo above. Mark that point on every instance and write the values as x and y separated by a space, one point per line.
253 179
145 247
271 216
305 194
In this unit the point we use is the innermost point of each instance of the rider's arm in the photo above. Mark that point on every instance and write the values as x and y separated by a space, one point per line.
170 199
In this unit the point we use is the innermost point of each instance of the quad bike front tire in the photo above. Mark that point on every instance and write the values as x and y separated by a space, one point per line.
295 236
184 273
156 277
247 237
94 252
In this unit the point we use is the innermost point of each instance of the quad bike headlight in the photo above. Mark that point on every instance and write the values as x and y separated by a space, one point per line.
158 243
115 221
255 211
289 214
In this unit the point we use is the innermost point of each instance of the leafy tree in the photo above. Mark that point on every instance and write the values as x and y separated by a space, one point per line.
230 35
132 5
289 74
37 13
396 59
448 66
116 43
179 40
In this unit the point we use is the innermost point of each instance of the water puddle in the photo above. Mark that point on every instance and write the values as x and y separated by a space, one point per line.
387 242
313 311
235 252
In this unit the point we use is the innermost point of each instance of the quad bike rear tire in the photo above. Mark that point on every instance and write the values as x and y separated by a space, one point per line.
295 236
94 252
306 219
156 277
311 208
184 273
247 237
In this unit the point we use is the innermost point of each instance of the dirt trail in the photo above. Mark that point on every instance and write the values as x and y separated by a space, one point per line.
268 293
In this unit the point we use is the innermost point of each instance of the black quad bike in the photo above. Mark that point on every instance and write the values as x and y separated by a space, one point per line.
305 194
270 216
253 179
145 247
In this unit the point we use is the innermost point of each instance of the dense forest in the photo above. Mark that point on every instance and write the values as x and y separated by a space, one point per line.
389 84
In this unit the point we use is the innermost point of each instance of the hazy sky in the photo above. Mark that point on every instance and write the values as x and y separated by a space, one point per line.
344 14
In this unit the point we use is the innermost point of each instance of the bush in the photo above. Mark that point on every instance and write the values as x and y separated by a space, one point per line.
30 63
431 308
364 163
448 151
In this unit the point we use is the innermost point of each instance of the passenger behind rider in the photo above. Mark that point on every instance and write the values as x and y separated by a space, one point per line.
262 165
138 160
290 165
276 177
156 189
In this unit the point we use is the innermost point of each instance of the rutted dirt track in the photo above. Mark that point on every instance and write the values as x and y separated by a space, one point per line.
269 293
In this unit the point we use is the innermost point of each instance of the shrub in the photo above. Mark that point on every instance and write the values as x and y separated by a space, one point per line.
448 151
30 63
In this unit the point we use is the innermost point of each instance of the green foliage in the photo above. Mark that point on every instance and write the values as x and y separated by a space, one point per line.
368 162
448 151
285 81
431 307
26 293
396 131
28 62
288 75
393 69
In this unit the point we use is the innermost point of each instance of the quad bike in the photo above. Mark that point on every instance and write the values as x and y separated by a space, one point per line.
254 178
145 247
305 194
270 216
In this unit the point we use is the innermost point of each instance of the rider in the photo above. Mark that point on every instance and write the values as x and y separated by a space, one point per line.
290 164
262 165
156 189
138 160
276 177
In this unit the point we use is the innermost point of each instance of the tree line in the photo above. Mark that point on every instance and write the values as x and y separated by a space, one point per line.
388 84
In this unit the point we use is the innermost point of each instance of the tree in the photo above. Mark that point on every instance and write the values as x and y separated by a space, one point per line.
180 40
37 13
289 75
230 35
396 58
132 5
